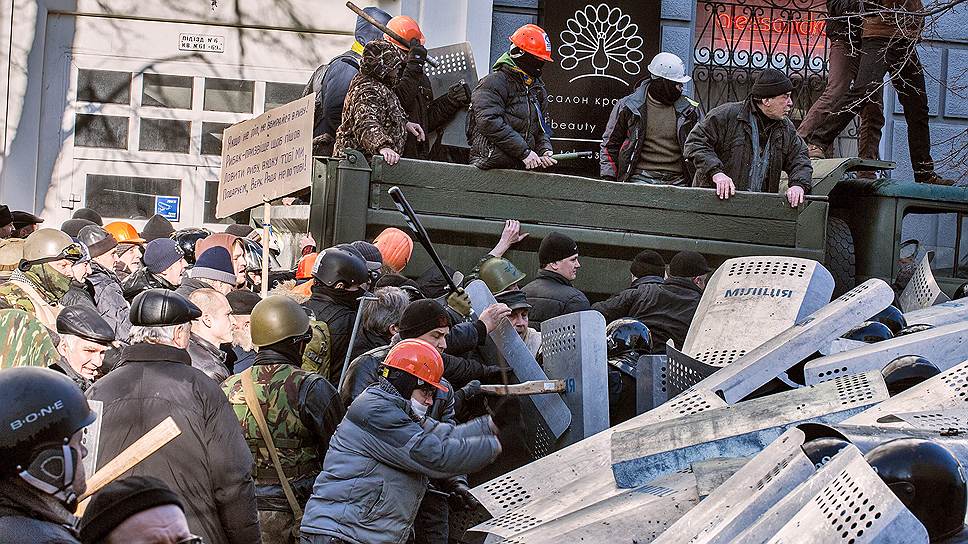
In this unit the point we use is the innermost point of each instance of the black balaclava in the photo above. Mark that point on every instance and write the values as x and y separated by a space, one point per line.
291 349
665 91
531 64
349 299
403 382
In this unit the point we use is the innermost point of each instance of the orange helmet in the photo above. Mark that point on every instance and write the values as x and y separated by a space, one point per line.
124 233
406 28
304 270
395 248
417 358
533 39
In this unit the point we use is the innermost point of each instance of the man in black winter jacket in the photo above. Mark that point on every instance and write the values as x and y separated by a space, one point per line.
648 269
330 82
208 464
506 127
551 294
164 264
668 308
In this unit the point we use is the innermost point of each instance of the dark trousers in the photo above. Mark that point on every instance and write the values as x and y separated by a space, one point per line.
432 523
899 58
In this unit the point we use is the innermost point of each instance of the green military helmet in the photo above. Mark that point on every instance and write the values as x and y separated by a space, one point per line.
277 318
11 253
46 245
499 274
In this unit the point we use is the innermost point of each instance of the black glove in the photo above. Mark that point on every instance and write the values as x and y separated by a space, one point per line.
461 498
418 54
469 391
460 92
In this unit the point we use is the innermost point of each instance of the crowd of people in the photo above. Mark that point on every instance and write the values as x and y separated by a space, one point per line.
345 406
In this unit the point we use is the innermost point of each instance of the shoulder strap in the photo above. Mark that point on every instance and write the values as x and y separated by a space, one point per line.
251 399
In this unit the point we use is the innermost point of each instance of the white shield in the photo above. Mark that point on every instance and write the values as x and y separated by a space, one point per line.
573 349
455 63
744 429
766 294
944 392
922 291
939 314
944 346
747 373
855 506
91 436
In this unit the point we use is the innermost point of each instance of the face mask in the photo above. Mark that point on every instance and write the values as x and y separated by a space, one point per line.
664 90
418 408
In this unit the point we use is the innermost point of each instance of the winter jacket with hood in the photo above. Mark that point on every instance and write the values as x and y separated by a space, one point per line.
379 463
723 142
110 301
505 122
551 295
373 117
208 464
625 133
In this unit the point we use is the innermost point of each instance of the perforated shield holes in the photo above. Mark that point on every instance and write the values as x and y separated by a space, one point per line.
922 291
507 492
455 64
854 389
953 422
512 521
767 268
691 402
946 393
684 373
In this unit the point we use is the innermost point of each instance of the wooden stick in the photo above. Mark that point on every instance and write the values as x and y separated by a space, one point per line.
534 387
266 219
137 452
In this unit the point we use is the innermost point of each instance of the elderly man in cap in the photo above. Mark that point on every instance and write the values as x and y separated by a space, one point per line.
648 268
241 303
164 264
746 145
6 222
43 276
551 294
208 464
108 294
136 509
517 301
24 223
668 308
84 337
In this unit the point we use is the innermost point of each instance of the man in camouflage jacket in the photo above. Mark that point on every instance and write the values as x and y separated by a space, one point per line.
24 341
373 119
301 410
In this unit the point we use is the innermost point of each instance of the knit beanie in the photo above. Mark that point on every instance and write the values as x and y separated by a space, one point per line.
770 83
157 227
647 263
370 252
421 317
72 227
160 254
688 264
5 216
555 247
239 230
89 215
214 264
121 499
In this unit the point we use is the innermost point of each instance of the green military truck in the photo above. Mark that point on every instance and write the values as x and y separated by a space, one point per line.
856 227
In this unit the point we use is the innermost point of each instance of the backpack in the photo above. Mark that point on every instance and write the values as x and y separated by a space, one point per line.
317 357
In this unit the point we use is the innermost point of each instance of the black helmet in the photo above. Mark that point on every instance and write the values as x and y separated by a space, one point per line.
907 371
870 332
42 410
961 291
892 318
626 336
187 238
928 479
911 329
821 450
340 265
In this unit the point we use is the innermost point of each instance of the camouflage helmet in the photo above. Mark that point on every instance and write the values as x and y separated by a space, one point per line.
499 274
45 245
277 318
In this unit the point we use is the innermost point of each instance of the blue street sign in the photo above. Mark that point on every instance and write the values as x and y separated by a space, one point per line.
167 207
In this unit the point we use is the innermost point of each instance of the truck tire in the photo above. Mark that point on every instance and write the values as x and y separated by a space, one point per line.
840 255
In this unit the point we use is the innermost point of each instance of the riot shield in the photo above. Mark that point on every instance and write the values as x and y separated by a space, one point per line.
939 394
939 314
747 373
650 382
455 64
944 346
922 291
855 506
584 465
91 438
766 294
573 350
682 372
554 414
744 429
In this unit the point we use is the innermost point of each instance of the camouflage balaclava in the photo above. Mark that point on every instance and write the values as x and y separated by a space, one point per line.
381 61
49 281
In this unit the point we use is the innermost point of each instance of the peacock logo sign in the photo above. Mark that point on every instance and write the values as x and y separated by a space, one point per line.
603 39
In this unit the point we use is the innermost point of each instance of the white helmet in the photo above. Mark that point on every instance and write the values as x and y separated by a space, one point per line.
669 66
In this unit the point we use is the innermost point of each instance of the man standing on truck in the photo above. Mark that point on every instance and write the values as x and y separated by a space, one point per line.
506 126
551 294
745 145
645 132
